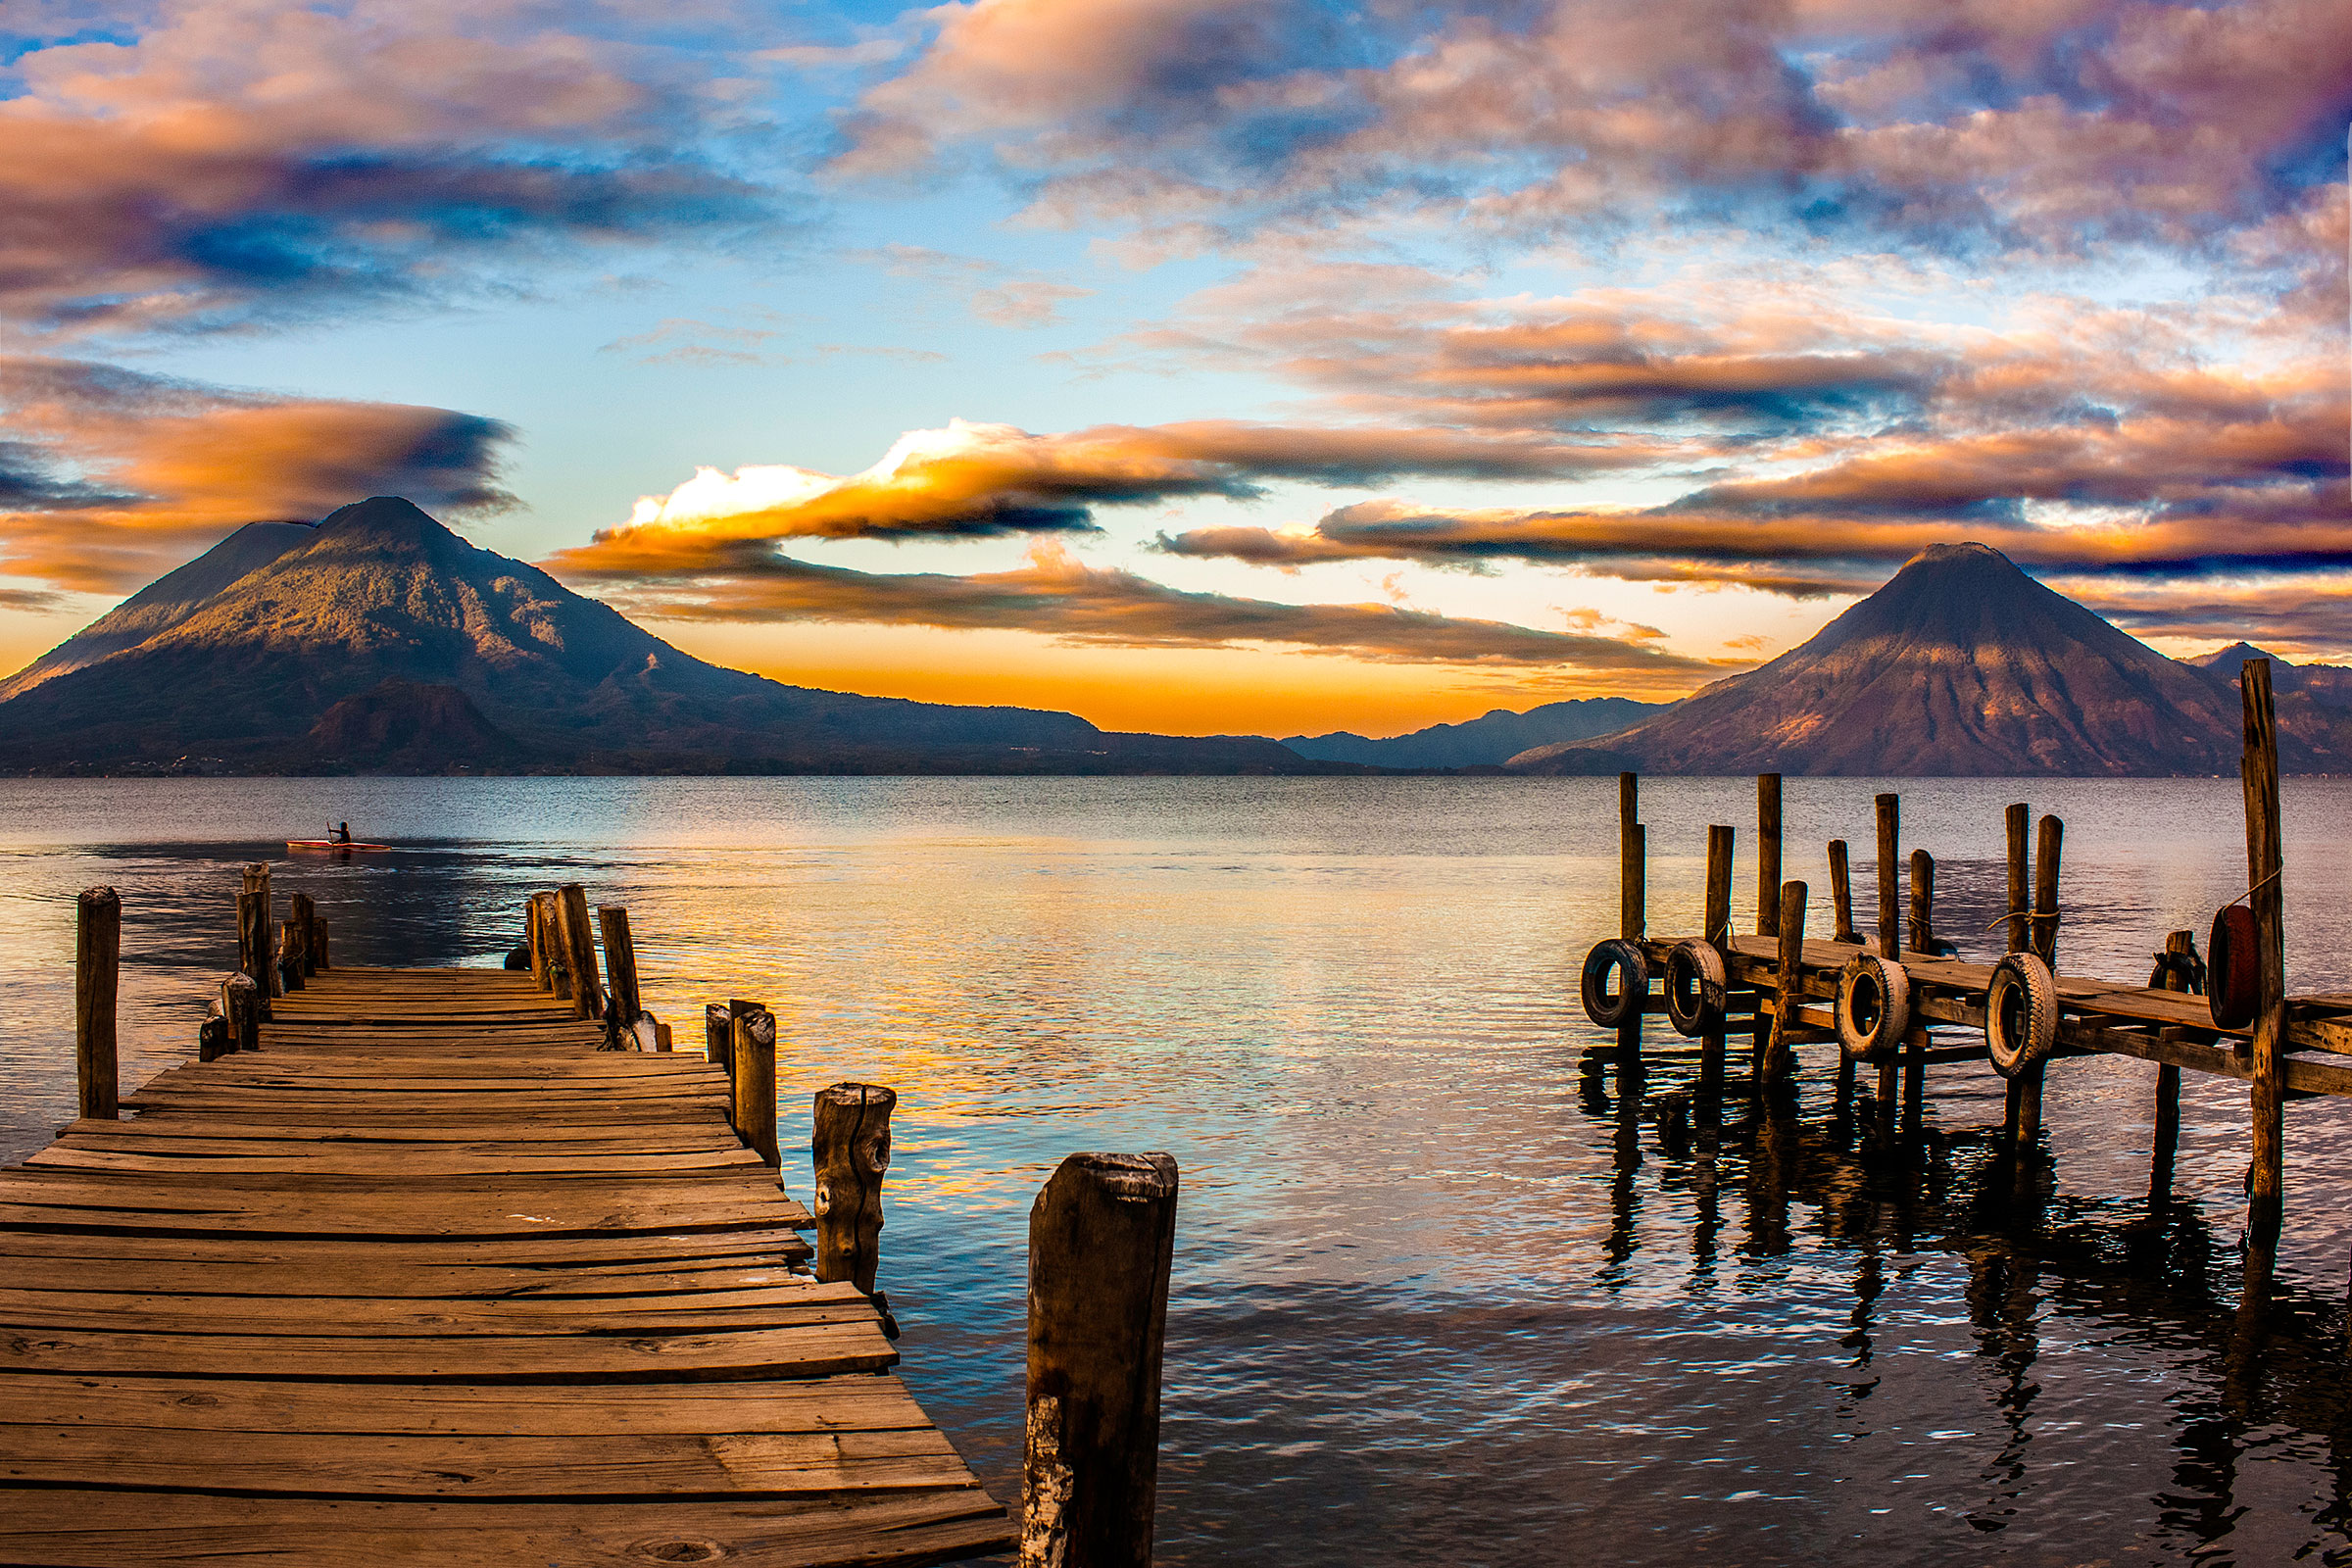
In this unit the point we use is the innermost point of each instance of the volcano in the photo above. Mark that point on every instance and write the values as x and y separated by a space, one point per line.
1960 665
381 640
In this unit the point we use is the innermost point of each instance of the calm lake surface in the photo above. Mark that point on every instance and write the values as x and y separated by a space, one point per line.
1445 1291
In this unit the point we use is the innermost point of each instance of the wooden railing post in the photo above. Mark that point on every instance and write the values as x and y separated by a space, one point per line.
753 1050
241 1006
579 950
1780 1059
1768 854
850 1154
2021 929
2265 861
97 981
621 963
1101 1237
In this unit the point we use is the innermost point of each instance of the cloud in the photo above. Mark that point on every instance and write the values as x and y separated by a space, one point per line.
111 475
1054 594
244 158
2057 126
976 480
999 295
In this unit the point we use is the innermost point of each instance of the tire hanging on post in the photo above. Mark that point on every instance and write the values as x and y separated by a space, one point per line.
2234 968
1696 989
1625 960
1874 1007
2021 1014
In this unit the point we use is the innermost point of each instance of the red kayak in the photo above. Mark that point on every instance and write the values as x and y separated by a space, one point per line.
336 844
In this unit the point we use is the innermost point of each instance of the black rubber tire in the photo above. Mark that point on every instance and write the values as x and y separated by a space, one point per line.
1695 984
2233 968
2021 1014
1874 1007
1616 954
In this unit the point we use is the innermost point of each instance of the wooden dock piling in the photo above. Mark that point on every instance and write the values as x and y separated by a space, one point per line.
539 930
1102 1236
1921 938
2165 1141
1715 928
1889 809
304 915
850 1154
97 978
2018 820
1768 854
241 1006
1780 1056
2266 862
578 945
1841 895
754 1054
621 964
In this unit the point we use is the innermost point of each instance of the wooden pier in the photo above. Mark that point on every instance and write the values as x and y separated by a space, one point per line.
431 1272
1898 1001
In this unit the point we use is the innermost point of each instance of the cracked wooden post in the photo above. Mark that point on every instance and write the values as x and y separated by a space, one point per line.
1632 907
1768 854
718 1039
1842 893
1889 811
753 1050
578 947
2166 1143
1922 935
1102 1236
253 932
304 920
1715 927
850 1154
1788 973
539 927
2021 928
241 1006
97 980
289 954
621 963
2265 862
319 935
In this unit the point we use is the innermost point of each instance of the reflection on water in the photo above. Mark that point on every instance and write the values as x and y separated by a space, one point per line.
1455 1285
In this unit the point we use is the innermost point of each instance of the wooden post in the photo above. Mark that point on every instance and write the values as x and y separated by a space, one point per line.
2166 1143
1842 893
1716 926
213 1041
1102 1236
304 921
579 950
1923 902
241 1006
2021 929
1768 853
1779 1060
621 963
2046 888
719 1036
1633 861
289 954
754 1054
318 942
97 979
539 928
2265 862
1891 832
849 1153
254 927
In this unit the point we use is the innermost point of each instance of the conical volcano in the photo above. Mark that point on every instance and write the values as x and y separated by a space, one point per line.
1960 665
382 630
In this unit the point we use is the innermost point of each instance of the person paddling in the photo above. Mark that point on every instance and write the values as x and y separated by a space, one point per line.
341 833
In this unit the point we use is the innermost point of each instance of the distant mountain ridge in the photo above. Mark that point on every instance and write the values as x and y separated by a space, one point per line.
1494 738
380 639
1960 665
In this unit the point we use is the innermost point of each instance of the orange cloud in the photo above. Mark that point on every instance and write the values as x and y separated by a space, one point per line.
111 476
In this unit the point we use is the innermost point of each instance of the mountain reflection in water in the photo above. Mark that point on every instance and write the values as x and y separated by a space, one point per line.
1452 1286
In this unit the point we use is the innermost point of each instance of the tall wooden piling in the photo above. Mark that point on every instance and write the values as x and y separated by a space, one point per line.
850 1154
621 963
290 943
753 1051
718 1039
539 927
318 936
1780 1057
1842 893
304 916
2047 840
97 980
1890 824
1633 861
1768 854
2265 865
254 929
2166 1141
2024 1107
2020 820
1922 935
578 945
1715 927
1102 1236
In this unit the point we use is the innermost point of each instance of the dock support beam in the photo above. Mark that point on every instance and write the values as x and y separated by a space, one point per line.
2166 1143
2265 861
1102 1236
849 1153
97 978
1633 910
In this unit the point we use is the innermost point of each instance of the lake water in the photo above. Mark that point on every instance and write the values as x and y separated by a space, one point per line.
1443 1292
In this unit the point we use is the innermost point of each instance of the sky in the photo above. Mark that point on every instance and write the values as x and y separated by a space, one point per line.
1197 365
